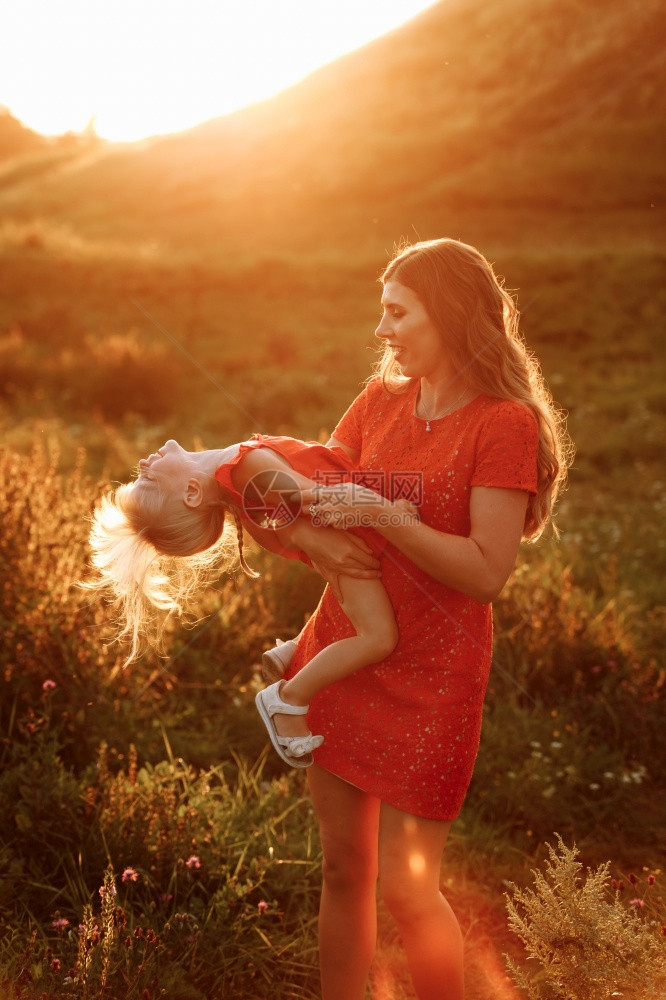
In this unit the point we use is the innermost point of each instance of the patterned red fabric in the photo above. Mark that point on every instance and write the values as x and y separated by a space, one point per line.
407 730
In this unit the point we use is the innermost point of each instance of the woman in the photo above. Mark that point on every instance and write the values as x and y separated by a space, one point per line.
459 410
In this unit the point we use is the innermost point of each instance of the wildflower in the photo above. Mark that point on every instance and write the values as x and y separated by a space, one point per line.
556 745
130 875
102 890
262 906
651 879
637 902
633 879
55 964
49 685
60 924
594 786
193 862
166 897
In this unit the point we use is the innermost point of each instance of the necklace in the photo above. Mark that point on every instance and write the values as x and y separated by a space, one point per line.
446 412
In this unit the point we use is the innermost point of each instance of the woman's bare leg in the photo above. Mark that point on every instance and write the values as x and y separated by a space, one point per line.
348 823
366 604
410 856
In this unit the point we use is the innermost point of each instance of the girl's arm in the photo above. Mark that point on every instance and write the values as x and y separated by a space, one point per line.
478 565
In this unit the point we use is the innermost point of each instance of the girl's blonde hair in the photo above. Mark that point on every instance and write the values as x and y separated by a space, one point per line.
153 555
478 320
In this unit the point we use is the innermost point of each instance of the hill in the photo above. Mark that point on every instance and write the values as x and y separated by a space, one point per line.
16 138
473 116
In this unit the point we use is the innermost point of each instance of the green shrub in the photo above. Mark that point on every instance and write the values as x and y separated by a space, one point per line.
198 884
539 768
566 643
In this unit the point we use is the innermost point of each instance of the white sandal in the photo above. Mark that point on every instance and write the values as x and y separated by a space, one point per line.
294 750
274 662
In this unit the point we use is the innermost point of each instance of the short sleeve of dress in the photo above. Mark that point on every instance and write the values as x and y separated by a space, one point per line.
507 447
349 429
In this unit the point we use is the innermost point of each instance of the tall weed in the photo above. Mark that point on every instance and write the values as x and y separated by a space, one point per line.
587 944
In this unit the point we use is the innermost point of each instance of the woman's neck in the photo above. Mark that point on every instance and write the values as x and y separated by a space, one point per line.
441 395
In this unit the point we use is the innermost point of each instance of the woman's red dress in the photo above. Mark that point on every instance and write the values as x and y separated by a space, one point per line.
407 730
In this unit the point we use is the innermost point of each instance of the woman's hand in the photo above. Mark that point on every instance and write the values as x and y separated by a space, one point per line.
351 505
334 553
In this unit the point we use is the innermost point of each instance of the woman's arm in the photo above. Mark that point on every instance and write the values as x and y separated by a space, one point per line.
332 552
478 565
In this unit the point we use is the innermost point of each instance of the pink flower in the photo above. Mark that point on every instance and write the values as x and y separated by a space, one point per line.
637 902
651 879
193 862
102 891
130 875
166 897
262 906
60 924
55 964
49 685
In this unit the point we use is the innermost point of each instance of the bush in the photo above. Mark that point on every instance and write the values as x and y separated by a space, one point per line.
574 645
197 883
110 374
588 944
539 768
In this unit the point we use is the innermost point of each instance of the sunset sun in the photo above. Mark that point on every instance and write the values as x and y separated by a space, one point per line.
134 69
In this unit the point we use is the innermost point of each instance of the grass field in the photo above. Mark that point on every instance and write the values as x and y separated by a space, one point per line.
141 302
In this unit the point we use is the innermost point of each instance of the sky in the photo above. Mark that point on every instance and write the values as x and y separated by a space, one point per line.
144 67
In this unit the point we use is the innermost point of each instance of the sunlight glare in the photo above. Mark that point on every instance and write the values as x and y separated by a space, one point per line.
416 863
143 67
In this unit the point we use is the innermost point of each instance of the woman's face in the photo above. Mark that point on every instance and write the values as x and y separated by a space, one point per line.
170 468
405 326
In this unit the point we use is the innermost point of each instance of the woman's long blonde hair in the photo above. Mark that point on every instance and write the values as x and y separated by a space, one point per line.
153 556
478 320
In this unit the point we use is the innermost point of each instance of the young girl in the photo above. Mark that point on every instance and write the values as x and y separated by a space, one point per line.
158 539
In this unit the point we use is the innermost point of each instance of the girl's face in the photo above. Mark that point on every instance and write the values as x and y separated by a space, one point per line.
170 468
416 343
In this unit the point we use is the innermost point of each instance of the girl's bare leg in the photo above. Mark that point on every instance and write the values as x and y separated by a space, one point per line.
366 604
410 854
348 822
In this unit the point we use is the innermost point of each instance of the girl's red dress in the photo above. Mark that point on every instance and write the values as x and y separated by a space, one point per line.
407 730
